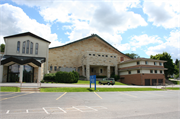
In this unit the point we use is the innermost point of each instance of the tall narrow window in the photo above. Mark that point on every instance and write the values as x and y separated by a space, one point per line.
27 47
18 47
31 48
122 59
24 45
36 51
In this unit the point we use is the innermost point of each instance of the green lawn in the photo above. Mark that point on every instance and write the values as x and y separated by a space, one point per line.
72 89
97 82
9 89
174 88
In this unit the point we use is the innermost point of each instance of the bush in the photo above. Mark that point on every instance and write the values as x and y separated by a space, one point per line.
76 75
101 76
49 77
65 77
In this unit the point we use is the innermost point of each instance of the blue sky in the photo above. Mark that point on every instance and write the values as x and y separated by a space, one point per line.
132 26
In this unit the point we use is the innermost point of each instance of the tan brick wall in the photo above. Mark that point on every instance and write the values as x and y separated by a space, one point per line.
71 55
35 74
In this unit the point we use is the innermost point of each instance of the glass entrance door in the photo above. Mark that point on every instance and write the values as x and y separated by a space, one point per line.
14 73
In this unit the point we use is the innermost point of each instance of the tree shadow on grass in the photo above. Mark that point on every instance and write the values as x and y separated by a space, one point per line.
90 90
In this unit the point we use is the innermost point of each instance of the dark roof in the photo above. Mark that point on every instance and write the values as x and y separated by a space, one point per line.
93 35
27 34
22 60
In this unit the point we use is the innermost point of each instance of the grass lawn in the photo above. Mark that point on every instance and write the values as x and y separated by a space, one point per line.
174 88
72 89
9 89
97 82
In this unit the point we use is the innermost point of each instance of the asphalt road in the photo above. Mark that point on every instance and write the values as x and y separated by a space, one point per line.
90 105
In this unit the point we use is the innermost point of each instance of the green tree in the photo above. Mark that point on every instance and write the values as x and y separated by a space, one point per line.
132 55
2 47
169 64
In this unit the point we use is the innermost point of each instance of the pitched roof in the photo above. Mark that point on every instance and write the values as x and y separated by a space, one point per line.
27 34
93 35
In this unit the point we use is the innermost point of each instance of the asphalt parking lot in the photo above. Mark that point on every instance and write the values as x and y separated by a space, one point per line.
88 105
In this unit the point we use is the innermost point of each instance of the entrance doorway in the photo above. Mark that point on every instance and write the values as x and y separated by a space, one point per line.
14 73
147 82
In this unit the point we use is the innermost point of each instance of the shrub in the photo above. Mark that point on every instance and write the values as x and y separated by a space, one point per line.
101 76
49 77
42 81
65 77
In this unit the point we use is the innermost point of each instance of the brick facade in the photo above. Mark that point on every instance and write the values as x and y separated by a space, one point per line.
139 79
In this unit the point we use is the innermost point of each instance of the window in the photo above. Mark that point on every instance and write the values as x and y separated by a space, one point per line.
59 67
102 55
27 47
50 68
36 51
151 71
93 54
18 47
138 71
55 68
160 63
24 45
161 71
114 56
89 54
92 70
111 56
122 59
154 63
101 70
129 72
31 48
137 62
146 62
99 55
155 71
106 55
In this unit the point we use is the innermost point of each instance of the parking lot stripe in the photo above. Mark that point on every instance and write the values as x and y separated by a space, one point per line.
15 96
7 112
62 110
129 95
92 108
61 96
27 111
77 109
7 94
98 95
45 110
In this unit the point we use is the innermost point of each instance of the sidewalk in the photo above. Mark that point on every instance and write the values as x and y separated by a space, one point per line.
45 85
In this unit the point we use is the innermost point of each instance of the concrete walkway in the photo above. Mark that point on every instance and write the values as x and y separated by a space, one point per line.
79 85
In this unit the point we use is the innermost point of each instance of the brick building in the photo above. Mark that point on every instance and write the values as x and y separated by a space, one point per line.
27 58
88 56
142 71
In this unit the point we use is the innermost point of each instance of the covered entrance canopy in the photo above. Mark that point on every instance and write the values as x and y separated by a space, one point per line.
21 69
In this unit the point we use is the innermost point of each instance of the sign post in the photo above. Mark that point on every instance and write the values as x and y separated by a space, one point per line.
93 80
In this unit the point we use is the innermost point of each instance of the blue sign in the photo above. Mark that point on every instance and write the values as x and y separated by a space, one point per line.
93 80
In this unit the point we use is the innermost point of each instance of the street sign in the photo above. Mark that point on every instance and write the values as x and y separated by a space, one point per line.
93 80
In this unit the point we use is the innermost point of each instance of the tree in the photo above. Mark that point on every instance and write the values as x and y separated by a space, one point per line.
169 64
2 47
132 55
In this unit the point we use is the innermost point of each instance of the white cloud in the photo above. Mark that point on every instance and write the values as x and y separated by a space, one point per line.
144 40
163 13
13 20
171 46
105 18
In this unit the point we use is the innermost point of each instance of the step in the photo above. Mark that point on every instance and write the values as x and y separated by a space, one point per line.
25 89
